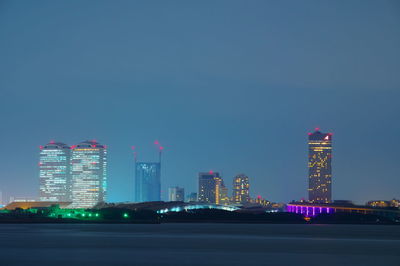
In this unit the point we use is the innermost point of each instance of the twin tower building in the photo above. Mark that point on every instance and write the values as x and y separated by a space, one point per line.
78 174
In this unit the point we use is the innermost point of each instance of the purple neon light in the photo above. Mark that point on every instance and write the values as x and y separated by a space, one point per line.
309 211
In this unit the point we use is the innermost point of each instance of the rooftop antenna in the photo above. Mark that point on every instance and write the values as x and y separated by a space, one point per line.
134 153
160 149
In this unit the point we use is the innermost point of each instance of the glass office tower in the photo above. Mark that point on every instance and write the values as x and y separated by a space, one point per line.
54 167
147 181
88 174
320 167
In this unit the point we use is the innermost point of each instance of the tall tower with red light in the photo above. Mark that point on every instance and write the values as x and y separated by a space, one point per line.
319 167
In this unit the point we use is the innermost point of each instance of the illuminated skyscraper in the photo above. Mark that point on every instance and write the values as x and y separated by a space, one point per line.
240 194
211 188
54 167
176 194
89 174
319 166
147 181
223 194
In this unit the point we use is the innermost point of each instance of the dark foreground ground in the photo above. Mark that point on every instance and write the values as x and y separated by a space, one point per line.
198 244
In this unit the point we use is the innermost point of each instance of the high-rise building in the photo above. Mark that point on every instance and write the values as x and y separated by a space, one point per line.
223 195
240 194
88 174
207 184
176 194
147 181
212 188
319 166
54 172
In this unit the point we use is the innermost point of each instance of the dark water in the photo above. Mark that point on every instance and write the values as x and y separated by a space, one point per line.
198 244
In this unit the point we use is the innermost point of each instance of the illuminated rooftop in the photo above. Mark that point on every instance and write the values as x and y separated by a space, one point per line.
89 144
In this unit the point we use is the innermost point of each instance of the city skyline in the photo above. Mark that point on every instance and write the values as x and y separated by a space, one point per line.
228 87
56 185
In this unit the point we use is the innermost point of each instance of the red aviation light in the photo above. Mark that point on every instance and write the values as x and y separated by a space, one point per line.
41 147
52 142
211 172
156 142
133 148
309 133
317 129
161 148
73 147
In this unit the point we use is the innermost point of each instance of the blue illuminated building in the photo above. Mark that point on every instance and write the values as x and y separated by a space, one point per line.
147 181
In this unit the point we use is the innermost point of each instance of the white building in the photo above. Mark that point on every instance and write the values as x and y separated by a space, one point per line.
88 174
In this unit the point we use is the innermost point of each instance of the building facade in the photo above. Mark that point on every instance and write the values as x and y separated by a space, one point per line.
223 195
212 188
241 187
88 174
320 167
147 181
176 194
54 172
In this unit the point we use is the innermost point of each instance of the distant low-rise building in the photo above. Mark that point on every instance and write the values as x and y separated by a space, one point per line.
176 194
35 204
379 203
395 203
192 197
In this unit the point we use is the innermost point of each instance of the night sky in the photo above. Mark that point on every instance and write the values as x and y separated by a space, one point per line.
229 86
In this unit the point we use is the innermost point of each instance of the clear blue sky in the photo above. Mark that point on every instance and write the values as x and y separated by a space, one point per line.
229 86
